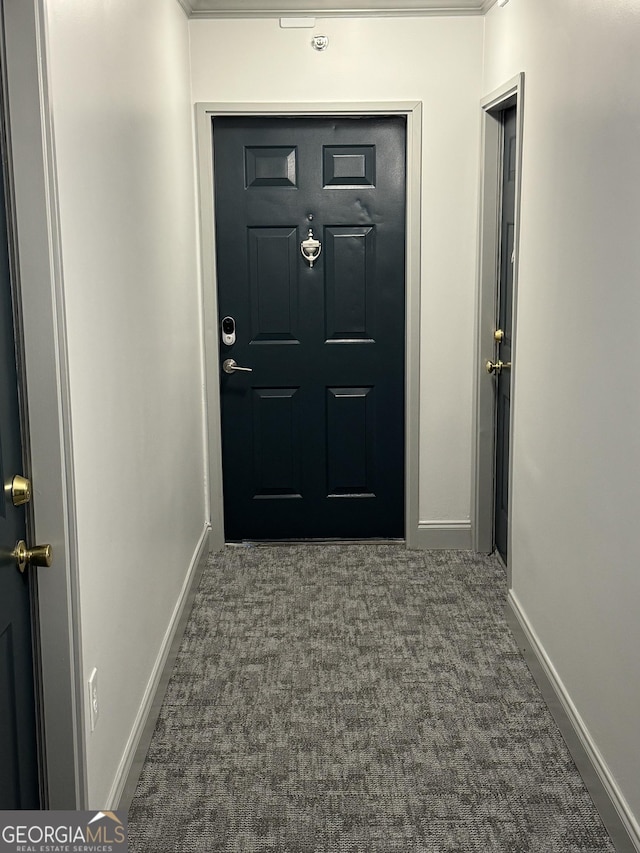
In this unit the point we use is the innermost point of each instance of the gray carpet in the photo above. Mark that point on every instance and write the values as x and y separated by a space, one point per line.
356 699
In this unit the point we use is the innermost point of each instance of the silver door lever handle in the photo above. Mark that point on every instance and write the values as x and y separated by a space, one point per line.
229 366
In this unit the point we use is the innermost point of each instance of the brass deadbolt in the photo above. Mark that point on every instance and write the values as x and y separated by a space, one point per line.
498 336
20 490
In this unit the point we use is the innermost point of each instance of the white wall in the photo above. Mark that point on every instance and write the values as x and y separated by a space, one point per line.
123 126
576 493
437 61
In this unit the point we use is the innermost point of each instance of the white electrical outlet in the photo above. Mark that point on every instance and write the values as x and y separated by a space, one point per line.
94 708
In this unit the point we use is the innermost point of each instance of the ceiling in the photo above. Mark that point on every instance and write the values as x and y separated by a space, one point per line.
331 8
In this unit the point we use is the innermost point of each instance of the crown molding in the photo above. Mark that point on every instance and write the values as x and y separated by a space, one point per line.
331 8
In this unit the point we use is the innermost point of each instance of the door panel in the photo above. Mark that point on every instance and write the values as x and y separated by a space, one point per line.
273 281
277 443
270 167
350 430
18 754
504 321
320 420
349 282
349 165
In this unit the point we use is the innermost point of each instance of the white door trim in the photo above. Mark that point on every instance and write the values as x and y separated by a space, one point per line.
45 376
413 112
482 511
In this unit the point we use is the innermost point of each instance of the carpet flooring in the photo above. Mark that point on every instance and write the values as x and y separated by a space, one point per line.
356 699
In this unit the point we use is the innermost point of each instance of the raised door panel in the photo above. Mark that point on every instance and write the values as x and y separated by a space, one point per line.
349 283
349 166
276 443
350 442
273 284
270 166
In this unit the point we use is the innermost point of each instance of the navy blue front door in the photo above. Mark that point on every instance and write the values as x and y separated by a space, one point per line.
505 308
313 437
18 753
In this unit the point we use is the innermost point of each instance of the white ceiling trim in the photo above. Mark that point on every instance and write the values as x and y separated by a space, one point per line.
311 11
331 8
340 8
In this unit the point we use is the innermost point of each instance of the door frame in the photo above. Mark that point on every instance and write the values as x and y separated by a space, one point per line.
412 110
493 105
43 380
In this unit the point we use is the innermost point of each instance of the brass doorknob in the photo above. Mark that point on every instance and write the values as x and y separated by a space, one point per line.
20 490
497 366
39 555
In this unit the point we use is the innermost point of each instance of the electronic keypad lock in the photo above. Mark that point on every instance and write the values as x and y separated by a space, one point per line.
228 331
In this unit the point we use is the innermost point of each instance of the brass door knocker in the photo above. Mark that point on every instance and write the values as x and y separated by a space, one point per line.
311 248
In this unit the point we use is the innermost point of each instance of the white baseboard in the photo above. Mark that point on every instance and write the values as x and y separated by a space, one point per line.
614 810
441 536
130 766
